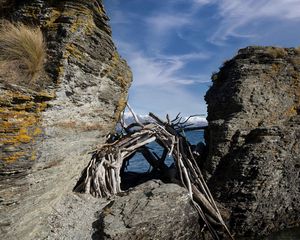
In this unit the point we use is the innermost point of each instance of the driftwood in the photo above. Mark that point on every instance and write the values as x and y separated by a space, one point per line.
101 177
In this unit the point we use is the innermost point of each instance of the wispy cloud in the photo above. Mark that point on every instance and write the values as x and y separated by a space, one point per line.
163 23
236 15
173 46
158 70
160 82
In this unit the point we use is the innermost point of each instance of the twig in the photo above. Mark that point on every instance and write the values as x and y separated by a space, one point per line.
134 115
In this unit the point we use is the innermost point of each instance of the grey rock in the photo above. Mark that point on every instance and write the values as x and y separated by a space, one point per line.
153 211
75 217
47 131
253 139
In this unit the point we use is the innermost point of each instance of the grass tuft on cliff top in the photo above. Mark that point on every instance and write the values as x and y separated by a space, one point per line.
22 53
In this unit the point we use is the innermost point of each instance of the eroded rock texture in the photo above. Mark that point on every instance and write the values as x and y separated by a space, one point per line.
46 131
254 139
152 210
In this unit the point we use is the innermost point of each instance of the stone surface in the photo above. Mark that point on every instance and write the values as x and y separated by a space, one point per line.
47 130
153 211
75 217
253 139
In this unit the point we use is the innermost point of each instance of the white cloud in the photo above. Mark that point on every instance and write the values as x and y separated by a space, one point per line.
163 23
237 14
159 70
162 82
159 83
187 57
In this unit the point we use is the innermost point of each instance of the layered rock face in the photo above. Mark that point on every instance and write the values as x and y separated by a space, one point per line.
253 138
46 131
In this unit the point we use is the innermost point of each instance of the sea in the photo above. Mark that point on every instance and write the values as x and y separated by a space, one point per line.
140 165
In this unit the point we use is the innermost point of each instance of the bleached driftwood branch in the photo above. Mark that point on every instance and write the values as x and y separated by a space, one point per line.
101 177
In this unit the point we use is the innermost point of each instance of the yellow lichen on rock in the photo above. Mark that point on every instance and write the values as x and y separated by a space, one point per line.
122 79
53 16
293 111
18 124
20 119
33 156
23 136
37 131
120 107
13 157
84 20
72 49
41 148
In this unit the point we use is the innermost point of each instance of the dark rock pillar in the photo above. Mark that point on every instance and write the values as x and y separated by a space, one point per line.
253 137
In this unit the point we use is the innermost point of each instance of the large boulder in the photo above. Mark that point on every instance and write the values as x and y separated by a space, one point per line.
152 210
253 164
46 131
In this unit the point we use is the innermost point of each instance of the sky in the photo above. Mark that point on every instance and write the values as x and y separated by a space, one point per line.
173 46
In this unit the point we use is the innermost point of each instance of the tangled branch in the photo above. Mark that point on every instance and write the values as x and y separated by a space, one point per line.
101 177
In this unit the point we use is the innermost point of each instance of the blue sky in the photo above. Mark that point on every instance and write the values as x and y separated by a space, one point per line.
173 46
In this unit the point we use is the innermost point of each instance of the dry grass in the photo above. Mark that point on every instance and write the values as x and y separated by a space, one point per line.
275 52
297 50
22 53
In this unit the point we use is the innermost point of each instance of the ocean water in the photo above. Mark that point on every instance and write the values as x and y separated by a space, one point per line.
140 165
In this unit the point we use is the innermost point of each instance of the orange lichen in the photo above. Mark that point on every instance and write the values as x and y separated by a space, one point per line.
23 136
123 79
33 156
14 157
84 20
120 107
20 136
41 107
72 50
53 16
37 132
292 111
19 125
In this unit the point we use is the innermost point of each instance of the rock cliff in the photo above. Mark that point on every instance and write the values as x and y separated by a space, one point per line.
253 139
46 131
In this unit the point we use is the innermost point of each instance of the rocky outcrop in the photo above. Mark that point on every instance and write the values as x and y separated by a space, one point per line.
253 138
46 131
152 210
75 217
